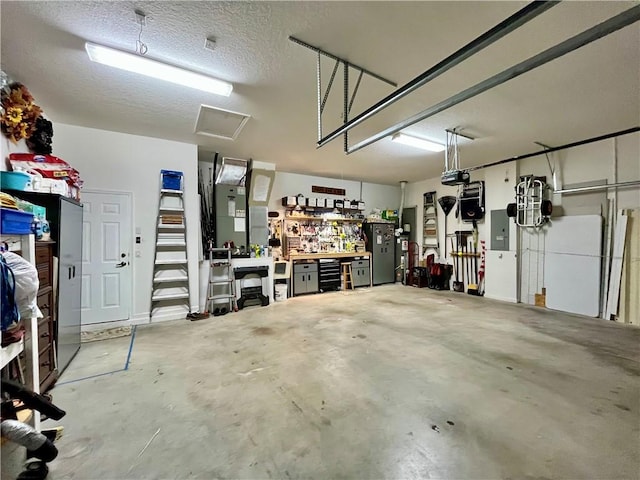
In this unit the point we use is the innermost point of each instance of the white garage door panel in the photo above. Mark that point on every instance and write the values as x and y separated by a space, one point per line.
572 264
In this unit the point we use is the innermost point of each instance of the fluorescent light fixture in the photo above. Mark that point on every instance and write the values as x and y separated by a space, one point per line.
151 68
418 142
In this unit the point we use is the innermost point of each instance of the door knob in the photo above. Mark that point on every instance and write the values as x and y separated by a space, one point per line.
121 264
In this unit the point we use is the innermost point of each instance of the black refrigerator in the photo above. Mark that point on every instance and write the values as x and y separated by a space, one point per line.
381 243
65 217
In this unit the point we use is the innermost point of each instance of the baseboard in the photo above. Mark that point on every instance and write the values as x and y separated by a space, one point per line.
165 315
502 299
97 327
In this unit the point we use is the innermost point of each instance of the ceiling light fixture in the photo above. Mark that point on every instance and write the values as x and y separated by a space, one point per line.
418 142
152 68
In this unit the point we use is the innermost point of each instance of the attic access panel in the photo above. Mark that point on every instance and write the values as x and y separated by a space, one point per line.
220 123
231 171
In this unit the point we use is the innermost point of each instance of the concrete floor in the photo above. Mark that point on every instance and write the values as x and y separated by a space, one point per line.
389 382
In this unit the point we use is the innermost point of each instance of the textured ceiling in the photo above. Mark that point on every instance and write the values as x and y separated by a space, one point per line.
591 91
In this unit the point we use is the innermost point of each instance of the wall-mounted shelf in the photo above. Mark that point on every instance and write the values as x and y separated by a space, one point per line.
320 219
303 202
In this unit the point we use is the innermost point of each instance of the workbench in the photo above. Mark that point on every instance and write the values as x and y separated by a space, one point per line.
318 256
313 284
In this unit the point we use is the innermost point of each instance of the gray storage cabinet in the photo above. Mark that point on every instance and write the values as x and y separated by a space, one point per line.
361 273
305 278
69 281
381 244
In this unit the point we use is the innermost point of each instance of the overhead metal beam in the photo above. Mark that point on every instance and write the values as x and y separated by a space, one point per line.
342 60
326 93
355 91
319 85
458 131
603 29
555 149
505 27
345 111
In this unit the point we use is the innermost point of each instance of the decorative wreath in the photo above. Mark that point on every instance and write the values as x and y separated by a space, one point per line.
19 113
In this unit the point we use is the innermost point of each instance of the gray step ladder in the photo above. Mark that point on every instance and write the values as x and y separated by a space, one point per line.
170 280
221 280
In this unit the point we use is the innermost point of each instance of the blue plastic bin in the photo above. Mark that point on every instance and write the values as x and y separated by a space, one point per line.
171 179
14 222
14 180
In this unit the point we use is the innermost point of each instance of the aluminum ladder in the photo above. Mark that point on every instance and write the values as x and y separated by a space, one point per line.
221 278
170 279
430 223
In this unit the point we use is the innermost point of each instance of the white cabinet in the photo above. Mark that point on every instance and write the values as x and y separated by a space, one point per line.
69 281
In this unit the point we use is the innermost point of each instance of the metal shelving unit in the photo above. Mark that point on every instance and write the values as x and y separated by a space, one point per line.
25 245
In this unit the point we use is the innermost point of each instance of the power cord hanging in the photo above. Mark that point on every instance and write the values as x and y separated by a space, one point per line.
141 47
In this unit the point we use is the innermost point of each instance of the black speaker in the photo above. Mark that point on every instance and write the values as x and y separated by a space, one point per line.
470 210
471 202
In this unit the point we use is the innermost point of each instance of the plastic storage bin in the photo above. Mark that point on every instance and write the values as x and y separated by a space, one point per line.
171 179
14 180
14 222
37 210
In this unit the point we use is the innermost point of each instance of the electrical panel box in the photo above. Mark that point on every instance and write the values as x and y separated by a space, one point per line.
499 230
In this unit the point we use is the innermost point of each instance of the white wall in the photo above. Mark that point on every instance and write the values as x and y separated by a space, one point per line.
286 184
500 267
374 195
130 163
627 153
610 161
501 279
614 160
7 147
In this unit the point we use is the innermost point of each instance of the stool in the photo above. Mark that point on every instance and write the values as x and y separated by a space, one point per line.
347 276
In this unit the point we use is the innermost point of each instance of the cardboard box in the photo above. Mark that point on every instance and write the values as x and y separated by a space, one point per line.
541 298
289 201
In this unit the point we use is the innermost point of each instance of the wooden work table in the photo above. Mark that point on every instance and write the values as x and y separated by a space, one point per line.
317 256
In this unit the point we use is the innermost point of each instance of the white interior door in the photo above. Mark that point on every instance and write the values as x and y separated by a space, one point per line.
106 269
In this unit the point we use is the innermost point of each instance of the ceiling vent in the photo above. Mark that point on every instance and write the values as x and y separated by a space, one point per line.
219 123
